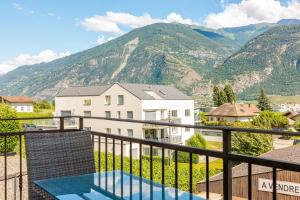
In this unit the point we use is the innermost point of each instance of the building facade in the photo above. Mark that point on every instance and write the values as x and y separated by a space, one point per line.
19 103
130 101
286 107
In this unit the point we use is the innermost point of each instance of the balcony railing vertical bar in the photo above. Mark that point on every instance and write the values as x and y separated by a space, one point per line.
122 156
227 166
191 172
274 177
106 155
99 154
207 176
151 162
176 168
5 167
249 181
226 155
114 155
140 160
162 165
20 160
130 156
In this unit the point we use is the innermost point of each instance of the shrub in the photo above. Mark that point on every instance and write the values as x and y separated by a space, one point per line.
196 140
268 120
297 125
41 105
8 126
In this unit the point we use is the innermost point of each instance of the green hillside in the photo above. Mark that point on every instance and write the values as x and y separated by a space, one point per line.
159 53
270 61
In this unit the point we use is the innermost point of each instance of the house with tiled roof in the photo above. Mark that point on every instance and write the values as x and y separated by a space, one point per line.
233 112
20 103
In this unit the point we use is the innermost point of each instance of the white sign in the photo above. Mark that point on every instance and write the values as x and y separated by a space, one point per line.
282 187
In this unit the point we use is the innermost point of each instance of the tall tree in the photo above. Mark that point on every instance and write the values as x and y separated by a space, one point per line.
223 97
216 96
231 98
263 101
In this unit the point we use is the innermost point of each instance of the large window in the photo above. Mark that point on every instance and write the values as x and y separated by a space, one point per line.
87 102
129 115
174 113
187 112
130 132
87 113
107 114
107 100
150 115
120 99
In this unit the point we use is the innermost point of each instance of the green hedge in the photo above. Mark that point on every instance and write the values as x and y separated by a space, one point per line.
8 126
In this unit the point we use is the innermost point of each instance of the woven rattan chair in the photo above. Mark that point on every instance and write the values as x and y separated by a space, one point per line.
57 154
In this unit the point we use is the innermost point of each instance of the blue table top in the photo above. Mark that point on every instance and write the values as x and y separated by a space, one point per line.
110 185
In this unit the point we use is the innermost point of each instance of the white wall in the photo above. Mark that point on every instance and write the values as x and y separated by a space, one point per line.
168 106
22 107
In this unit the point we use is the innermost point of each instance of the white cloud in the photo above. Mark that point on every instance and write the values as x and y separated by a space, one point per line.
111 22
253 11
27 59
102 39
17 6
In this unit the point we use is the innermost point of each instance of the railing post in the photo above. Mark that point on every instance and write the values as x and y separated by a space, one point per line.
81 123
62 123
227 166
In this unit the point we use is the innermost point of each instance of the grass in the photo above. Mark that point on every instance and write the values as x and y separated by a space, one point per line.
284 99
214 145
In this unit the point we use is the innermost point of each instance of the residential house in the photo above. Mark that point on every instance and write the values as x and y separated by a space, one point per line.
20 103
233 112
292 117
131 101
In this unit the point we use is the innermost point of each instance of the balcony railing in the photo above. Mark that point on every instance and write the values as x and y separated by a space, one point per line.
226 155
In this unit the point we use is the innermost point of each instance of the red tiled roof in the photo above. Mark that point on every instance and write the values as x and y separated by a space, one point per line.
235 110
17 99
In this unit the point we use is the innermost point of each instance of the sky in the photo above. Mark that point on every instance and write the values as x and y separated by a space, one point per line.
35 31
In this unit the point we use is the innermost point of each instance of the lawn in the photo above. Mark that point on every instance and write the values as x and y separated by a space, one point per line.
183 170
213 145
284 99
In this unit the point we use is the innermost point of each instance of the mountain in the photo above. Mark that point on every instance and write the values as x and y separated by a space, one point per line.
159 53
270 61
289 21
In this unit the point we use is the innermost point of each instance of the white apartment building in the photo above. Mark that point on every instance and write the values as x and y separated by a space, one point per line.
130 101
19 103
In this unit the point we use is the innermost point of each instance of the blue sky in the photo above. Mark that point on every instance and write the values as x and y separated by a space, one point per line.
33 31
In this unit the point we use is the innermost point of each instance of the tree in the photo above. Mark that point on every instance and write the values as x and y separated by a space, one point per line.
268 120
223 98
231 98
8 126
253 144
41 105
263 101
196 140
216 96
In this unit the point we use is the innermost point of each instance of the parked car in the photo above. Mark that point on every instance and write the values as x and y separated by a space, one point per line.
31 127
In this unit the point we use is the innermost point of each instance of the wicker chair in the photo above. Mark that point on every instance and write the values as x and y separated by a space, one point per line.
57 154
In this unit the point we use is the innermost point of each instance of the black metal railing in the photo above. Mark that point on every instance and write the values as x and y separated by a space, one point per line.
226 155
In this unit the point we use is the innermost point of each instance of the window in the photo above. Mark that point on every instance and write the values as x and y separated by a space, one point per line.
22 108
119 131
129 115
87 102
174 129
119 114
150 115
28 108
107 114
108 130
120 99
87 113
107 100
187 112
187 129
130 132
174 113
